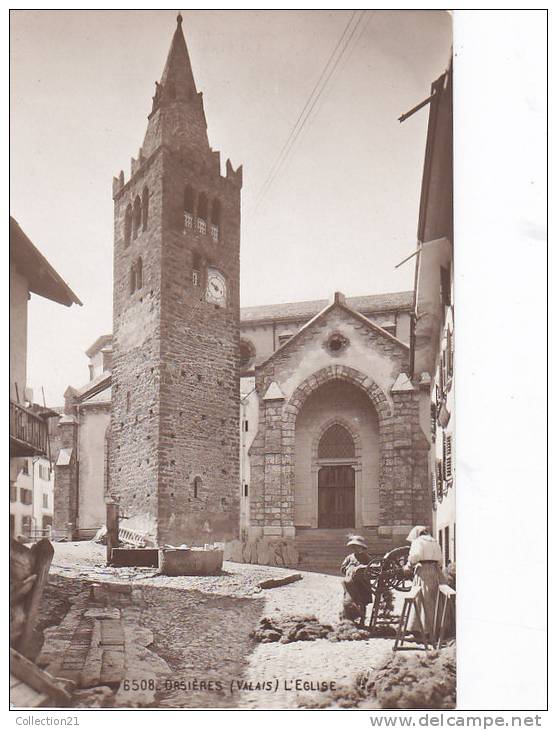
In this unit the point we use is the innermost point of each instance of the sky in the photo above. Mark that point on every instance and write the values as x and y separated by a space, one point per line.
339 215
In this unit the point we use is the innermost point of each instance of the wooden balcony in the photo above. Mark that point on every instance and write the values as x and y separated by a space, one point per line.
28 432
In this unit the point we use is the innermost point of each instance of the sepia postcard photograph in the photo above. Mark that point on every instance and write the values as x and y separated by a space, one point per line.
232 358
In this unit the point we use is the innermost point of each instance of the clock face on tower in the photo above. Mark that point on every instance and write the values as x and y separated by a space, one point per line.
216 288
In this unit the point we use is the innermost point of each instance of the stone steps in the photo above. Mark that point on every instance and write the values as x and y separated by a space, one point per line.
323 550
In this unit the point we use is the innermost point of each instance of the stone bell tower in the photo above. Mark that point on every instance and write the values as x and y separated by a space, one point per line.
174 453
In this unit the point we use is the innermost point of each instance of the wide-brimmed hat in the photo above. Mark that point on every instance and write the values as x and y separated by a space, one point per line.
356 541
415 532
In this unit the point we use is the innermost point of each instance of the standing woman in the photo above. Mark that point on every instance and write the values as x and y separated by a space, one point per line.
426 559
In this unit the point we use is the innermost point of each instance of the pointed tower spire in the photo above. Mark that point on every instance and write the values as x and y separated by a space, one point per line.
177 118
177 78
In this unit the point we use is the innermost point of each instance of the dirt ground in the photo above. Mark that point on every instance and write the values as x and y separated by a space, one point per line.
202 626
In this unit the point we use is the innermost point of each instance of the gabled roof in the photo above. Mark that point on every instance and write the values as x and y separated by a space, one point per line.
41 277
98 344
339 302
92 388
371 304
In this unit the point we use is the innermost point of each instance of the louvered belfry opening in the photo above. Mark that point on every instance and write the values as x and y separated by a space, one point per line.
336 443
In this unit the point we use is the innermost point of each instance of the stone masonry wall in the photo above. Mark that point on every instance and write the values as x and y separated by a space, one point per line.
372 362
200 383
136 371
65 481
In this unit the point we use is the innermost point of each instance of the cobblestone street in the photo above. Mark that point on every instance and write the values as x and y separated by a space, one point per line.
194 639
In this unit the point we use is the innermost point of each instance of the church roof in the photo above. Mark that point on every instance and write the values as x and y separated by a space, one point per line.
371 304
343 303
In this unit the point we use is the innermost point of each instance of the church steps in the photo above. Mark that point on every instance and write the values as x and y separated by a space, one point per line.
323 550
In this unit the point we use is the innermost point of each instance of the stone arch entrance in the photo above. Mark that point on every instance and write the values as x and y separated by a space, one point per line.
336 456
402 485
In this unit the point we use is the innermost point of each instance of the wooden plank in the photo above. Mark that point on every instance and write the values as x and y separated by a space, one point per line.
42 553
25 696
276 582
113 667
39 680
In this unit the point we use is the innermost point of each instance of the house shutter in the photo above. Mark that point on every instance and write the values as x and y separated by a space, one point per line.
450 353
439 475
433 415
447 457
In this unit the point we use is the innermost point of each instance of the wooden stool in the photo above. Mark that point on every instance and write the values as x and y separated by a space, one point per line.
445 598
412 599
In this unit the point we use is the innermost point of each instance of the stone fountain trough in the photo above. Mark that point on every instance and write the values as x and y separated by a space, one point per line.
187 561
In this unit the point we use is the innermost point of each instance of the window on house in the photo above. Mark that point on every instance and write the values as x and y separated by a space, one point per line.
12 524
445 275
13 493
26 525
447 456
440 539
450 353
284 337
245 425
128 225
439 474
447 545
25 496
136 222
246 490
25 467
145 207
433 416
45 501
195 277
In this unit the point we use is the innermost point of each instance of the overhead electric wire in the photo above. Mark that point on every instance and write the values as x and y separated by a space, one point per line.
312 100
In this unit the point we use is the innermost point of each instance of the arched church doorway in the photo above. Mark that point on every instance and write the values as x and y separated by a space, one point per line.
336 480
336 459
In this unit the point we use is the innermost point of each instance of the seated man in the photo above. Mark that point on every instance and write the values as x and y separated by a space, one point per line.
357 587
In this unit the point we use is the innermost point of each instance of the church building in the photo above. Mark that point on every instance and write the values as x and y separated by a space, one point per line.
283 424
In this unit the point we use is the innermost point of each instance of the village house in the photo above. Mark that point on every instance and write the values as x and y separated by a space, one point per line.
433 350
31 503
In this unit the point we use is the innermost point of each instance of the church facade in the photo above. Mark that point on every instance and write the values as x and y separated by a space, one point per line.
337 427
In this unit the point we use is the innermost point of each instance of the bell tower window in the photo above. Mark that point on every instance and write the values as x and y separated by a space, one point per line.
215 220
145 207
136 223
202 209
128 225
188 207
